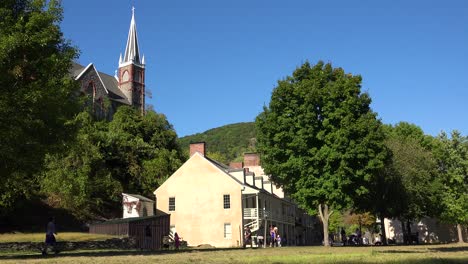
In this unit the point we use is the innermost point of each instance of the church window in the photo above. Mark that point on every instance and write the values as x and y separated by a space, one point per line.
125 76
91 90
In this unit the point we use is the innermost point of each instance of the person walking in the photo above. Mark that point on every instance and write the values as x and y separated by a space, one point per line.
176 240
247 237
343 236
50 236
272 236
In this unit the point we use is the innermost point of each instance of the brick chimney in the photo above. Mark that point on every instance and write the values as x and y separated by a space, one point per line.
251 159
197 147
236 165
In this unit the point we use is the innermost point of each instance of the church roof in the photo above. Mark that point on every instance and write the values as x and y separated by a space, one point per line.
132 51
109 82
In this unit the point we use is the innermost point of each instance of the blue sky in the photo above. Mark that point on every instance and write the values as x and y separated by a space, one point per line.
212 62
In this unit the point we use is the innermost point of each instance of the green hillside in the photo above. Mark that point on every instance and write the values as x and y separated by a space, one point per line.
227 143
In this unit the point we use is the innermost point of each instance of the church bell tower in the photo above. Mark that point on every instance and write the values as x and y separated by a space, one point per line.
131 73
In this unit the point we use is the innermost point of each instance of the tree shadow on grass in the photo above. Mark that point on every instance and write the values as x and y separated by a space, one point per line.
398 251
410 261
450 249
105 253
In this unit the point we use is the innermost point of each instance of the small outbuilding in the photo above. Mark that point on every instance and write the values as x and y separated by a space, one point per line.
135 205
148 232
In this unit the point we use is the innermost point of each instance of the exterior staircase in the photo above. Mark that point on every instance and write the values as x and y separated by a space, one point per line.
254 225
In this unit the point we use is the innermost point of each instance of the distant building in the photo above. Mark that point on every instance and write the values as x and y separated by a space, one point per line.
211 203
127 87
426 230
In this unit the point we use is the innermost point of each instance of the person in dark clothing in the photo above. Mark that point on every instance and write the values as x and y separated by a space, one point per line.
50 236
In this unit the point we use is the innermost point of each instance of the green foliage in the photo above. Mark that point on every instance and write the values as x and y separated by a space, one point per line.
336 222
319 138
413 161
131 153
36 97
409 186
230 141
452 159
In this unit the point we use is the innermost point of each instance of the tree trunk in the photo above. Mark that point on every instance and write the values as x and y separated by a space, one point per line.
325 216
403 230
460 234
408 227
382 229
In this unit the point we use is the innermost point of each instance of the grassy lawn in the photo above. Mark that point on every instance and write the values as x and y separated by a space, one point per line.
40 237
394 254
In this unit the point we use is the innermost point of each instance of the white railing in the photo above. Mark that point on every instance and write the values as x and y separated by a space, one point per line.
254 213
250 213
253 225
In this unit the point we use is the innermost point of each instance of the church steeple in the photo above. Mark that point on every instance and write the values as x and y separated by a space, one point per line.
132 51
131 73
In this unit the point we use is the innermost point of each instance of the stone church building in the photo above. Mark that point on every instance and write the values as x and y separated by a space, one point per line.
126 87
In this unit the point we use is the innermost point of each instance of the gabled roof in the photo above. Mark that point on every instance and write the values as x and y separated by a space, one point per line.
109 82
112 85
139 197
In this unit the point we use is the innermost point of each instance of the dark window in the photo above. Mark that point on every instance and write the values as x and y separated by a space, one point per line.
171 203
227 201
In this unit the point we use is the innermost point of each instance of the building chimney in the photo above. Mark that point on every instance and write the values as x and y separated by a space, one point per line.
251 159
236 165
197 147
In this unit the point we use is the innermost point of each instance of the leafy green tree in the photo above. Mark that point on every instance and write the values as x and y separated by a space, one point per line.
452 159
320 140
78 179
415 164
408 187
131 153
37 95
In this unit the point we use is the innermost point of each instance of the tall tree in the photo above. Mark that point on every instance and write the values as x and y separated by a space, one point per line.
78 179
131 153
36 97
320 140
415 166
452 158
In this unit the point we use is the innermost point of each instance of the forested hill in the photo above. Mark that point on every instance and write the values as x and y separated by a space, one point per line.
227 143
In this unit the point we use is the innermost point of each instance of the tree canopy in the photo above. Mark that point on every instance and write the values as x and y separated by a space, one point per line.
408 186
131 153
37 95
320 140
452 159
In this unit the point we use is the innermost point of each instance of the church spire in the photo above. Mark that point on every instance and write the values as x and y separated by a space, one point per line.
132 51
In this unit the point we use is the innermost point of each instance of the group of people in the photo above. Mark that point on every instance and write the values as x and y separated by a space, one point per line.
275 239
353 239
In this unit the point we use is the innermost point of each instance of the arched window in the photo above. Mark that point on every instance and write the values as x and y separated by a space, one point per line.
125 76
91 90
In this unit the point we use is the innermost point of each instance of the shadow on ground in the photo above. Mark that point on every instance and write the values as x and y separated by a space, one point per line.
107 253
450 249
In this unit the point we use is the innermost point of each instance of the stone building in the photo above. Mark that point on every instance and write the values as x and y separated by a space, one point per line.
126 87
